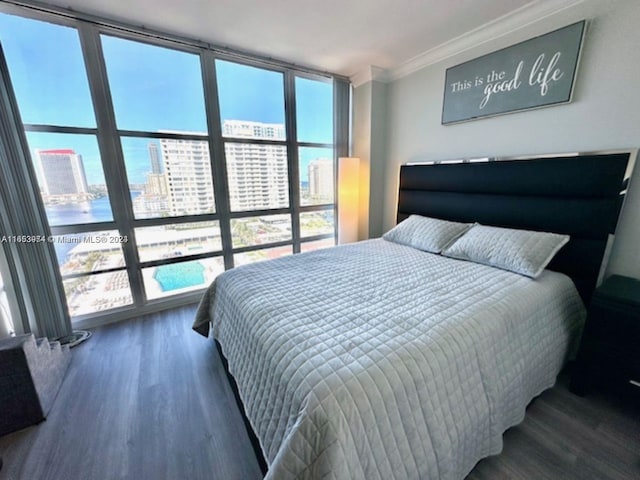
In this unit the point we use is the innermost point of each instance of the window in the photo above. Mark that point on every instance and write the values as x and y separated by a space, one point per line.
48 72
178 240
257 176
148 197
318 222
176 278
158 100
154 88
252 119
168 177
251 101
251 231
46 65
71 178
316 175
314 111
316 159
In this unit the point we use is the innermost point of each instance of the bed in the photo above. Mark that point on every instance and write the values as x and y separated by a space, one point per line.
381 360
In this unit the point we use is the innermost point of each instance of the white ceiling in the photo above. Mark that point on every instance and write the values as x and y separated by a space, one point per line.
338 36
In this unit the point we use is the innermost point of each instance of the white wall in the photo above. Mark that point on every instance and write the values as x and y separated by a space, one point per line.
379 131
361 135
370 142
604 114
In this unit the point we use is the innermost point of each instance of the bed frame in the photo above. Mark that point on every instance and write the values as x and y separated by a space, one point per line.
579 195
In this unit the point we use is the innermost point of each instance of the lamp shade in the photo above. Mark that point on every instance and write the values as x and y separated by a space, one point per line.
353 182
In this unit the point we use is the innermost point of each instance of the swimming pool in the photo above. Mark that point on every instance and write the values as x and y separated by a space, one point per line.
179 275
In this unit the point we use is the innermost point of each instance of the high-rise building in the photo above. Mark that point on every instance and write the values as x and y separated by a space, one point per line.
321 179
156 160
61 174
187 169
257 172
153 201
246 129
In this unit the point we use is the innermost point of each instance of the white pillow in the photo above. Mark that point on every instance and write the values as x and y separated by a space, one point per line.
425 233
520 251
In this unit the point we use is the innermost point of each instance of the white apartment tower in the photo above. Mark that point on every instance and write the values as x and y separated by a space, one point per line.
257 172
188 176
62 173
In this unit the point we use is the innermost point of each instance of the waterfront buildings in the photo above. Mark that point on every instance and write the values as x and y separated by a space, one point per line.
257 172
62 176
180 179
187 168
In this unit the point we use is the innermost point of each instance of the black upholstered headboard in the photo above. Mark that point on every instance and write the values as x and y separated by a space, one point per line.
578 195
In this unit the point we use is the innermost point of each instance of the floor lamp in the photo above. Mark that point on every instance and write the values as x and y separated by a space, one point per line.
353 198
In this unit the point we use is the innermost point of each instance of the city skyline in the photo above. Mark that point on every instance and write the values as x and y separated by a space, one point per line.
136 154
257 177
148 150
179 180
178 176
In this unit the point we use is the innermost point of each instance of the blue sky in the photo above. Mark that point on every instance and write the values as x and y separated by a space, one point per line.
152 88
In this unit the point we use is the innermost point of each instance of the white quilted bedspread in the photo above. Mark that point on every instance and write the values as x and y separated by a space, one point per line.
378 361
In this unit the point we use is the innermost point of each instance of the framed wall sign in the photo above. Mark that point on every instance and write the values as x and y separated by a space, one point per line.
535 73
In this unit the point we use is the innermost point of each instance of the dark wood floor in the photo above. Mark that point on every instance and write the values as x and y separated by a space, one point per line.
148 399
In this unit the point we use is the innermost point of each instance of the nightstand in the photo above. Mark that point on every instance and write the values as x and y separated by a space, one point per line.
609 354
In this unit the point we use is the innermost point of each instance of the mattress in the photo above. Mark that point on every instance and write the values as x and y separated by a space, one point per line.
376 361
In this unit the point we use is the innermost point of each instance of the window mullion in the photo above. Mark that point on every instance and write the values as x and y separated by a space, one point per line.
111 153
292 156
217 155
341 133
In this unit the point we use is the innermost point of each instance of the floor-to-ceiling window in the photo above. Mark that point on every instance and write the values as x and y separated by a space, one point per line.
161 164
51 85
160 117
316 157
252 118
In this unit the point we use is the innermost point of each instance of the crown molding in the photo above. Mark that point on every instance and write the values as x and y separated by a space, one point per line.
501 26
369 74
